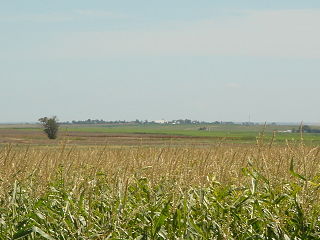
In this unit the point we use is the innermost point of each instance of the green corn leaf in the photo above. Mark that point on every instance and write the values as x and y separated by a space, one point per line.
42 233
293 173
22 233
25 232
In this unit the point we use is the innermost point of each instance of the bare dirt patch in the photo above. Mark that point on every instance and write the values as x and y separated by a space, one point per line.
37 137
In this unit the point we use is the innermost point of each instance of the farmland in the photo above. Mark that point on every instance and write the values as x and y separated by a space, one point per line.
159 182
156 134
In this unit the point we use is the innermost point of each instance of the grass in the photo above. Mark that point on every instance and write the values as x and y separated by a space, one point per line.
261 191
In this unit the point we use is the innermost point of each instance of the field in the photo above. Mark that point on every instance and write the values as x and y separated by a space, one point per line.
159 182
154 135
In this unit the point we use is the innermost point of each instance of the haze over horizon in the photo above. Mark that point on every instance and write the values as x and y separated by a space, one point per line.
205 60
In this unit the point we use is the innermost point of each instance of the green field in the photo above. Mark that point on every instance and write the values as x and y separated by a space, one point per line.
238 133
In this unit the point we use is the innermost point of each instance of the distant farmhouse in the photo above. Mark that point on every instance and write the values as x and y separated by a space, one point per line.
162 121
285 131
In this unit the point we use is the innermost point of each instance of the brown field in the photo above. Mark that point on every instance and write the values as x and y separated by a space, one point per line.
37 137
185 164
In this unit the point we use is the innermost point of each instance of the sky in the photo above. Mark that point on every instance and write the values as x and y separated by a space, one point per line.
170 59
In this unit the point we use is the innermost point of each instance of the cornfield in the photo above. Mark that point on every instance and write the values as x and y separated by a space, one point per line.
219 192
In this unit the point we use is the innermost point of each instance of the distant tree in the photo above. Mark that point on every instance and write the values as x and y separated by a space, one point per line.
304 128
51 126
307 129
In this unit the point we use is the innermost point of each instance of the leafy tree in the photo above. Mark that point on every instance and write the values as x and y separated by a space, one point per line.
305 128
51 126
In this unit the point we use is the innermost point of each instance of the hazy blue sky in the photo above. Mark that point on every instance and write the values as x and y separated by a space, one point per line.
151 59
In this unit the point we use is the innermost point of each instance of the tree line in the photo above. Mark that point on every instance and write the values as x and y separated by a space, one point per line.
306 129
